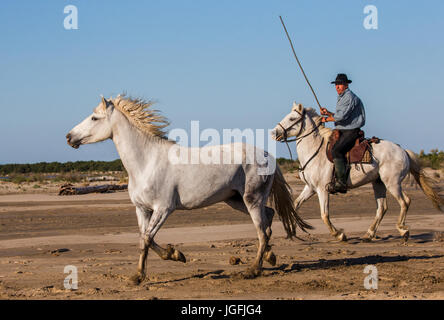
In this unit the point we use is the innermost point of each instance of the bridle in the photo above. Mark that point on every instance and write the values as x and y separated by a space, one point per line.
298 137
285 133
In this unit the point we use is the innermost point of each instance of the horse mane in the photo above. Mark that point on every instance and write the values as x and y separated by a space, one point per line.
139 113
323 131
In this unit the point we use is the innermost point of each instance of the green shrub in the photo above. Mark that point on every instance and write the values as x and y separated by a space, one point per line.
18 179
434 159
287 165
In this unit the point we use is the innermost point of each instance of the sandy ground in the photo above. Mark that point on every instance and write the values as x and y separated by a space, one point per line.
100 233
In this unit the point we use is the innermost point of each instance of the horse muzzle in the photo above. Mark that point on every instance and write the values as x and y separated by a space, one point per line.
276 136
72 142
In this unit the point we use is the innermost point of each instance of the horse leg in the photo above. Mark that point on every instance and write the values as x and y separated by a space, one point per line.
150 223
254 200
269 256
170 253
239 204
306 194
143 218
258 216
324 205
380 192
401 222
404 202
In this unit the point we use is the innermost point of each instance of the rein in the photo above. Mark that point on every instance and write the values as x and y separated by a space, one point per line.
285 130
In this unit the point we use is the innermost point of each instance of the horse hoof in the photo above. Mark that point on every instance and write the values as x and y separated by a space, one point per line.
251 273
178 256
234 260
367 238
137 279
405 237
270 257
342 237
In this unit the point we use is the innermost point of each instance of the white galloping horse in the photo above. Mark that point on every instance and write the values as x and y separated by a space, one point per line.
390 165
158 186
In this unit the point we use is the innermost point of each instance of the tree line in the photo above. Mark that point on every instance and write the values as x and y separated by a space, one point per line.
59 167
434 159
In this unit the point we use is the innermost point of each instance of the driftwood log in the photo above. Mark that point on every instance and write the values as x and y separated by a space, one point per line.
69 189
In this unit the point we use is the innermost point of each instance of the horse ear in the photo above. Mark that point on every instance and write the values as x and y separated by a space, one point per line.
104 103
297 106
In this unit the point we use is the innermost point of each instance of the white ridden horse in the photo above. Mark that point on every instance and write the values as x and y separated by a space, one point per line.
391 164
158 186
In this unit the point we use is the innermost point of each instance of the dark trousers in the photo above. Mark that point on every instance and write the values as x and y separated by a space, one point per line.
345 143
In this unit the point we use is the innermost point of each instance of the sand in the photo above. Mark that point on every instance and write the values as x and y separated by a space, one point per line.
101 235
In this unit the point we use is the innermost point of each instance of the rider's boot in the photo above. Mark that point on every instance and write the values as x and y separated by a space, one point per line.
341 176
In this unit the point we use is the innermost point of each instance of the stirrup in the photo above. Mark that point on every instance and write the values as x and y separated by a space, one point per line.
331 188
341 189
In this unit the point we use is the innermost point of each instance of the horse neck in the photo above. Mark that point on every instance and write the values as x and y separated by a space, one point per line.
308 145
136 149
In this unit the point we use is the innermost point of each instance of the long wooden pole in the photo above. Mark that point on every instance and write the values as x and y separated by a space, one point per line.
297 60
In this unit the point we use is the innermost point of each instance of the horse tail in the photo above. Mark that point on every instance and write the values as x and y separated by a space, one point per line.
281 198
427 185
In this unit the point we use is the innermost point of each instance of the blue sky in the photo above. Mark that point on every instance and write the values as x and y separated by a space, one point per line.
224 63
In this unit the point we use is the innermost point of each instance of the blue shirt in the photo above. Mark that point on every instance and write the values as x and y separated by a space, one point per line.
350 113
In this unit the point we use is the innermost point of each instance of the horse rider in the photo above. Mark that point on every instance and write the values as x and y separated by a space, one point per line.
349 118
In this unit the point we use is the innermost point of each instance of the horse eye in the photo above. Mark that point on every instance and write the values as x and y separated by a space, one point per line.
292 119
94 119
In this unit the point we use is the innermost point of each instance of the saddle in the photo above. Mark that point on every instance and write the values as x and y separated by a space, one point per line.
360 153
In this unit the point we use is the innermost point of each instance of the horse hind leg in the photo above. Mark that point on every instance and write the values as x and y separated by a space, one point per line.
402 228
255 202
258 220
404 202
269 256
237 203
380 192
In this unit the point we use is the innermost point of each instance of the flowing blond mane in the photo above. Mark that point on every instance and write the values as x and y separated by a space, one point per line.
323 131
141 115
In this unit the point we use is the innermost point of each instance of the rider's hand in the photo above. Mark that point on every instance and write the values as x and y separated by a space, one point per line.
328 119
324 111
